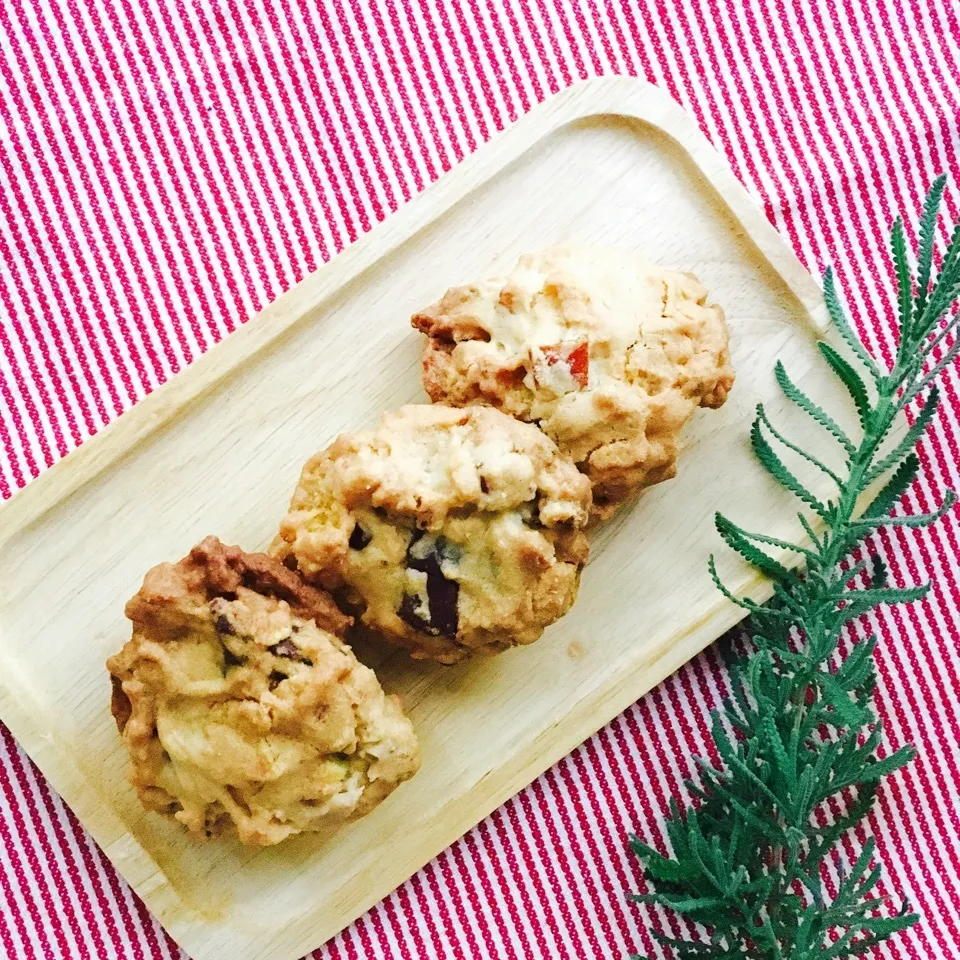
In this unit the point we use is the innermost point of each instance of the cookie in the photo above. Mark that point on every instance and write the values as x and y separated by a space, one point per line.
451 532
609 354
242 708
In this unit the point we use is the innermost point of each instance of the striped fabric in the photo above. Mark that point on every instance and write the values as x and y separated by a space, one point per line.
170 166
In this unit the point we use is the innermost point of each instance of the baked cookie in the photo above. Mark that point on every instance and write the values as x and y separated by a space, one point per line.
452 532
609 354
242 708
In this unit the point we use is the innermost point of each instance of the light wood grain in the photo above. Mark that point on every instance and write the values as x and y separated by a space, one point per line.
219 448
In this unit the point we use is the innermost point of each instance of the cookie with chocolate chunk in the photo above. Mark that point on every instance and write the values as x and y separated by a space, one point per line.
452 532
607 353
242 708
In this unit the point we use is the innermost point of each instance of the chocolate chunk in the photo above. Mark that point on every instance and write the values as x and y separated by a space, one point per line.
443 595
359 538
484 486
289 651
225 628
276 678
427 555
531 514
230 659
285 648
409 614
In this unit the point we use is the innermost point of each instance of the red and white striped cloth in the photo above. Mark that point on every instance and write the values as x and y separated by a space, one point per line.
168 167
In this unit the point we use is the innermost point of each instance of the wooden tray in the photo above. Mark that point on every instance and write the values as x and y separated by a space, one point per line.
218 450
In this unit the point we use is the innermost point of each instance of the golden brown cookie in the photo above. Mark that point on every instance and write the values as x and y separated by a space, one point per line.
242 708
609 354
452 532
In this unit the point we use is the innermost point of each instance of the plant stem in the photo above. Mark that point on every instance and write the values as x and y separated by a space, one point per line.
797 730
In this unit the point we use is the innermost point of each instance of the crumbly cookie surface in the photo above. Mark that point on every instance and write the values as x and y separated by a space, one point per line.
452 532
609 354
242 709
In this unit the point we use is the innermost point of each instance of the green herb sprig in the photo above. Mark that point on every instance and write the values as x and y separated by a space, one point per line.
798 737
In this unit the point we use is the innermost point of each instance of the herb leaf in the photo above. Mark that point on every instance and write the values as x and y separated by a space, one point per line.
797 741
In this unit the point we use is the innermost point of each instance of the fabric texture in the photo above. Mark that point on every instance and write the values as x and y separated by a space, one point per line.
168 167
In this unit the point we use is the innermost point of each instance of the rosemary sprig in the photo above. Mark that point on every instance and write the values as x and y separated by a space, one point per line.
798 737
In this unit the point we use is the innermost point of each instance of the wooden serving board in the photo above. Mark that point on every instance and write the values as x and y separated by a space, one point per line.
219 448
